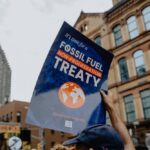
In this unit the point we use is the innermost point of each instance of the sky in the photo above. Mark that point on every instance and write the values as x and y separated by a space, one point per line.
27 31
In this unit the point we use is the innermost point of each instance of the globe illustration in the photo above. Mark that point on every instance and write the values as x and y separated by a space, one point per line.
71 95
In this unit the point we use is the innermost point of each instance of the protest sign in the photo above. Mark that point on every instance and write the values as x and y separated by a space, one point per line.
66 96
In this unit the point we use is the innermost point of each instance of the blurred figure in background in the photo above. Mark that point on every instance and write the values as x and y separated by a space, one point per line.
3 145
60 147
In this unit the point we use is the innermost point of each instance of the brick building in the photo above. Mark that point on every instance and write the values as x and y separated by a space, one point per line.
15 112
5 78
125 31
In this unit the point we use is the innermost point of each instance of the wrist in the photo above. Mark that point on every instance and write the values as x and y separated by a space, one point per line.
112 111
110 108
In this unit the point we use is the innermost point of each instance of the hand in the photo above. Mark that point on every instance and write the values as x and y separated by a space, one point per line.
116 121
108 100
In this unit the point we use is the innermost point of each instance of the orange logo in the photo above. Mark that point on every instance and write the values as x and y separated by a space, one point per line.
71 95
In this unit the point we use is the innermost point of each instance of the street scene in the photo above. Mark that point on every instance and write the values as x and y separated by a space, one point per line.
75 75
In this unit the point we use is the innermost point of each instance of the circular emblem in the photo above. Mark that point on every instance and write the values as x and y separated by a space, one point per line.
14 143
71 95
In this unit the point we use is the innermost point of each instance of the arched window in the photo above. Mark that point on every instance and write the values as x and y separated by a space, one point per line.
146 16
84 27
98 40
123 69
139 62
117 35
132 27
18 116
145 97
129 107
81 29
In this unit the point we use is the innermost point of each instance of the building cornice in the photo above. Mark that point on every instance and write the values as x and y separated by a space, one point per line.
83 15
120 8
131 42
132 79
95 31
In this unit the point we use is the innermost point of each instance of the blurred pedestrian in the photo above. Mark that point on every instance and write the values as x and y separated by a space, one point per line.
104 137
59 147
3 145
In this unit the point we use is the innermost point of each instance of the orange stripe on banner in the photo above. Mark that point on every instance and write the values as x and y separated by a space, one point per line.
79 63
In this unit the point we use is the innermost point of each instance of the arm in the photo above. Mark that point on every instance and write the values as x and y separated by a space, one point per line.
117 123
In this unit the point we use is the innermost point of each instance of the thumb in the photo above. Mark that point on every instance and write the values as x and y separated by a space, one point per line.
103 93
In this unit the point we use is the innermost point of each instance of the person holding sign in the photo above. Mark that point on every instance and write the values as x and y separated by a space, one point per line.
104 137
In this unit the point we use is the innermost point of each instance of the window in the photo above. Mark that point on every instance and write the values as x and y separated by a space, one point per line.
7 118
117 35
18 116
52 132
81 29
52 143
11 115
98 40
146 16
123 69
84 27
129 107
139 62
132 27
145 97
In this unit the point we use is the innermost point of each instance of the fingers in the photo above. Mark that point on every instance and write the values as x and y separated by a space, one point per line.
106 95
103 93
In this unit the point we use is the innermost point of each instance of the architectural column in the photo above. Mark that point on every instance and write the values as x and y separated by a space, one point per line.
111 76
106 41
131 66
122 109
138 106
116 72
140 21
147 59
112 39
124 30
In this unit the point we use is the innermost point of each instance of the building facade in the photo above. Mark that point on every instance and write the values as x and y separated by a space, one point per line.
124 30
15 112
5 78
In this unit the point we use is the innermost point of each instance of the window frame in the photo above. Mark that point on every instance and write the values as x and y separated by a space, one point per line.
129 103
145 108
98 37
144 19
135 61
132 29
116 39
18 116
124 64
83 27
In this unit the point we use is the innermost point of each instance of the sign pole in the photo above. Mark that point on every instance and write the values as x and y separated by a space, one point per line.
41 131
